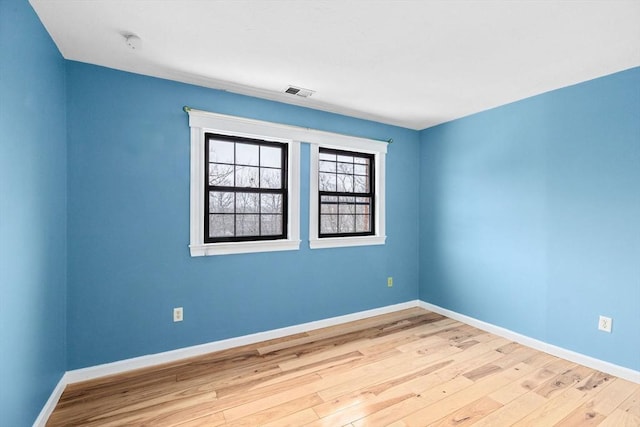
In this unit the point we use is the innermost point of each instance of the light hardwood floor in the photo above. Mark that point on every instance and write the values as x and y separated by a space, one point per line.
408 368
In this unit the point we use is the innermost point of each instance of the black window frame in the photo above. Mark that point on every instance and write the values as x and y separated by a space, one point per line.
371 194
283 190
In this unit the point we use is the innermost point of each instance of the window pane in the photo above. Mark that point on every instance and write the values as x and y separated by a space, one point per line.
363 223
346 168
329 208
247 203
361 170
271 225
271 157
221 175
246 176
347 223
270 178
361 160
221 225
326 182
220 151
247 225
361 184
221 202
247 154
328 224
326 166
346 159
363 208
345 183
271 203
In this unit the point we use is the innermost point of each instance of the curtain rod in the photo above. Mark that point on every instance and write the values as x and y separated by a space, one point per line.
186 109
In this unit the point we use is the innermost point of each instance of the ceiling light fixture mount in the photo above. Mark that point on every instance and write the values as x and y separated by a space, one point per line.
133 41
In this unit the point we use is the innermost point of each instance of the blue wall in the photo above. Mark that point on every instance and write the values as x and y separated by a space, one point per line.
129 261
32 214
530 216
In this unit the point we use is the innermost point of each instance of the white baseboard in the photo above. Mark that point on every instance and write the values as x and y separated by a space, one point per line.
591 362
48 407
92 372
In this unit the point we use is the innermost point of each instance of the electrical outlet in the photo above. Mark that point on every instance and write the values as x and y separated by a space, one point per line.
390 282
605 323
177 314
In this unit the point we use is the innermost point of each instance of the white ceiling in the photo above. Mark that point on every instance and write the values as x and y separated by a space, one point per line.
408 63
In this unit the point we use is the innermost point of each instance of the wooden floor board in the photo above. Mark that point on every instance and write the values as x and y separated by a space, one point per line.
401 369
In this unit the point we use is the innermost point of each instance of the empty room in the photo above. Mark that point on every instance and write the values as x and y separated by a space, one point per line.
319 213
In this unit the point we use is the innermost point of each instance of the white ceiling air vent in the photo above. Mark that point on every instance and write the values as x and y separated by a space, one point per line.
305 93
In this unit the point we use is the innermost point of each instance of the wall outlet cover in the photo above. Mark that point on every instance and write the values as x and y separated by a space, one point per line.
605 323
177 314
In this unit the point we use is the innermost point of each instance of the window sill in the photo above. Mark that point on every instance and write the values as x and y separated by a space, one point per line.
243 247
339 242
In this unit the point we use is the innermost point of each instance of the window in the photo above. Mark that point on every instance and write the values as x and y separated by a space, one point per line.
246 189
245 193
346 193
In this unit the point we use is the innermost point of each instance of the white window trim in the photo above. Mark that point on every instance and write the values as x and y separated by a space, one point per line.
202 122
379 150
